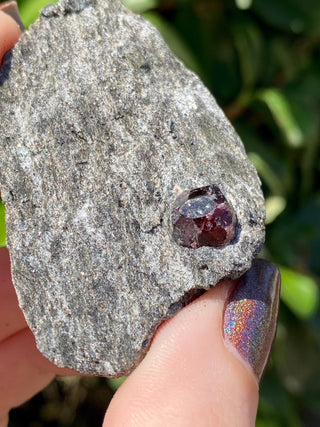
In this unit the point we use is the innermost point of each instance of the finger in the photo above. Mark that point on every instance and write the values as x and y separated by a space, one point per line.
11 8
23 371
12 320
190 377
11 317
10 32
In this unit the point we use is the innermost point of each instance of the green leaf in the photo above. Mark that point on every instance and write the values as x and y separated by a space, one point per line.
299 292
271 179
2 226
267 157
174 40
288 15
30 9
243 4
249 44
115 383
281 111
275 205
140 6
276 406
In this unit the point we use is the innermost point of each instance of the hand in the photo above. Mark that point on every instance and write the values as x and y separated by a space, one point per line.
203 367
189 377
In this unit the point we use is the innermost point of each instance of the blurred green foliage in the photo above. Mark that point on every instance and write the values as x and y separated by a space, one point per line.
2 226
261 61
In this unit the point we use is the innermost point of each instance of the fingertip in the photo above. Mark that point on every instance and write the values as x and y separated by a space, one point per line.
22 370
11 8
10 32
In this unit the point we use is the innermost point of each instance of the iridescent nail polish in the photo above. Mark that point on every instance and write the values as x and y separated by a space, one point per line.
251 313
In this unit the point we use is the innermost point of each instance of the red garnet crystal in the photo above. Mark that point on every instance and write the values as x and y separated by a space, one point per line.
203 217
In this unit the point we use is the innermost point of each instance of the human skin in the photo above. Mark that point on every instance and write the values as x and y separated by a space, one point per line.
189 377
9 33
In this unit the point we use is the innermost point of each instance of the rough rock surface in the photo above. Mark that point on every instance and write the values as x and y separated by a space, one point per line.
101 127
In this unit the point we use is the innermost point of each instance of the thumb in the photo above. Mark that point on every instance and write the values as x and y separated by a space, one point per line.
203 366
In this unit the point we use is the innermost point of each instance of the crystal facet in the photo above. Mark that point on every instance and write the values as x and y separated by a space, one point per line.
203 217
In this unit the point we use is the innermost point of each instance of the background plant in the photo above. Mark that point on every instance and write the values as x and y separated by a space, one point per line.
261 61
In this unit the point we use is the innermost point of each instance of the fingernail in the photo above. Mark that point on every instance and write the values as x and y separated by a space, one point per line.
11 8
251 315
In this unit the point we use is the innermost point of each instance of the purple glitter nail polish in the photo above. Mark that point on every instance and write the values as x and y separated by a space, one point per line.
250 318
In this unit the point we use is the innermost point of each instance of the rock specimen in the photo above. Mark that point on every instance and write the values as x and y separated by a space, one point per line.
102 129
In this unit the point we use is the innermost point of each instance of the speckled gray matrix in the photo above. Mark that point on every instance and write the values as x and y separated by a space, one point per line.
101 128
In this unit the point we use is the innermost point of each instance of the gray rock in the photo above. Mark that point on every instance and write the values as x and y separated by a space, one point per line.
101 127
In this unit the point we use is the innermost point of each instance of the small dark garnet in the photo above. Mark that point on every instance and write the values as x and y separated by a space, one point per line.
203 217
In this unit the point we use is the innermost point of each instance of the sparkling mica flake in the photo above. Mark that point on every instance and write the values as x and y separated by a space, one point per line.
203 217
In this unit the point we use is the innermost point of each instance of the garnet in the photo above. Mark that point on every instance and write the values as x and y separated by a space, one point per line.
203 217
